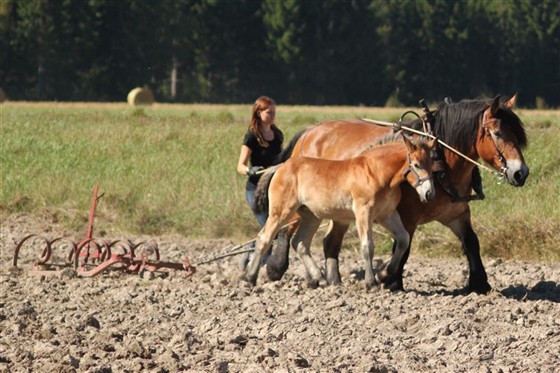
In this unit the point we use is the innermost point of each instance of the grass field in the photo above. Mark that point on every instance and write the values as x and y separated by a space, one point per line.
171 169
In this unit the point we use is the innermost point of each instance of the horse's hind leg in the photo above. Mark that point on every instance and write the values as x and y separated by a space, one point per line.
478 280
278 261
264 240
391 273
331 249
302 243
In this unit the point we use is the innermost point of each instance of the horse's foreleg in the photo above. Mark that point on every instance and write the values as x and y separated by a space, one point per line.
363 226
331 249
478 280
302 243
391 274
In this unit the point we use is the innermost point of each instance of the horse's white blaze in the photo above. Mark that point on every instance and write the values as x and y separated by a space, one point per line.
426 190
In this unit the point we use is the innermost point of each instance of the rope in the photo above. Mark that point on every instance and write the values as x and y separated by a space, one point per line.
235 250
388 124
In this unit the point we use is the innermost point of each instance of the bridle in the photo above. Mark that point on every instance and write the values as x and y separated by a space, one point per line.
410 169
499 152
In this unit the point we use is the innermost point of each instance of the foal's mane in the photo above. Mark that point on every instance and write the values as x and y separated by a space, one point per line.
391 138
383 140
457 124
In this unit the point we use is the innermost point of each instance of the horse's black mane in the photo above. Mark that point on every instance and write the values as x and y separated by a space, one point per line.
457 124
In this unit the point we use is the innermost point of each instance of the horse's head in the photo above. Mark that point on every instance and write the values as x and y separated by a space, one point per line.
419 170
500 141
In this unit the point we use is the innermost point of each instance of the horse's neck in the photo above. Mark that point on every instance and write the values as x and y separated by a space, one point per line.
459 169
388 164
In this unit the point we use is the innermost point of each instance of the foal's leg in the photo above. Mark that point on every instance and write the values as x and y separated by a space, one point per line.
302 243
401 245
331 249
478 280
363 226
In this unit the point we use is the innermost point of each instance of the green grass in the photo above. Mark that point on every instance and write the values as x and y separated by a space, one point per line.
171 169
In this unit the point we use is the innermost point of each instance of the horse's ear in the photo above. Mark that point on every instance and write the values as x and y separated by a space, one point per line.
494 106
410 147
510 104
432 144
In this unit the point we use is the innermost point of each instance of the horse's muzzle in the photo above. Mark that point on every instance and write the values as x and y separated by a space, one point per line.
517 176
430 194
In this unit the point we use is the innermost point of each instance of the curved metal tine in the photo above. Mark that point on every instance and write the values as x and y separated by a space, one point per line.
72 258
125 257
45 255
104 251
151 247
124 245
80 247
73 248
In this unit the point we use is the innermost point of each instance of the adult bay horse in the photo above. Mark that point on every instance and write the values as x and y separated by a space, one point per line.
363 188
480 129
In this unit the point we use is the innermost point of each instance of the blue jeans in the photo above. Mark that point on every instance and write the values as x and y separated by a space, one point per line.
250 194
261 217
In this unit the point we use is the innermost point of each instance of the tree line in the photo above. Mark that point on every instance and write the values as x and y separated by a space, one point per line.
328 52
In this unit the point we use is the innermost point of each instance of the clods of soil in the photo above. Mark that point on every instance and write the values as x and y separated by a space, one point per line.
214 322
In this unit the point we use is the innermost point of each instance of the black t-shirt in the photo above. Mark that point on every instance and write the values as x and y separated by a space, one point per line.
263 156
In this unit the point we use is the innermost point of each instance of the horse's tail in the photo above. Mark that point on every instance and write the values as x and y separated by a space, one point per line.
285 154
261 193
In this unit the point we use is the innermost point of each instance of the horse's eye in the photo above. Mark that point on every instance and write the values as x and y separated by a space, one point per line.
416 165
498 133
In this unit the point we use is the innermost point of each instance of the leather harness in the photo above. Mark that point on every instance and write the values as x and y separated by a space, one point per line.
440 165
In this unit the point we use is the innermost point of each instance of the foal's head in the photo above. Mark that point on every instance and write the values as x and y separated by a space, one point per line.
419 170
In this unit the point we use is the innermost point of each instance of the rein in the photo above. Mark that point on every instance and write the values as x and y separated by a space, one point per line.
398 126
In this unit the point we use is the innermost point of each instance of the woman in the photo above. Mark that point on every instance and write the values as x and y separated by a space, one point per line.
261 144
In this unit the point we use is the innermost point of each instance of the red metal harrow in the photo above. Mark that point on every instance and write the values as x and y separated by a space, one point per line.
91 256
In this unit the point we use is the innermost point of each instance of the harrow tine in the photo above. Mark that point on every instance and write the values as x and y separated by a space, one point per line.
44 256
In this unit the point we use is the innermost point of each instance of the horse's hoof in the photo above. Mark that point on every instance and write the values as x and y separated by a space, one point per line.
244 261
394 286
335 282
381 277
373 284
312 283
273 273
249 279
483 288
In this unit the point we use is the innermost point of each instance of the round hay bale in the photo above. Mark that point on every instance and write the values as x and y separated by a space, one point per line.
140 96
3 95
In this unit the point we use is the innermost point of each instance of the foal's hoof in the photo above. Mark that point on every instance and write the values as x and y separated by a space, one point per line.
335 282
249 279
373 285
314 284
